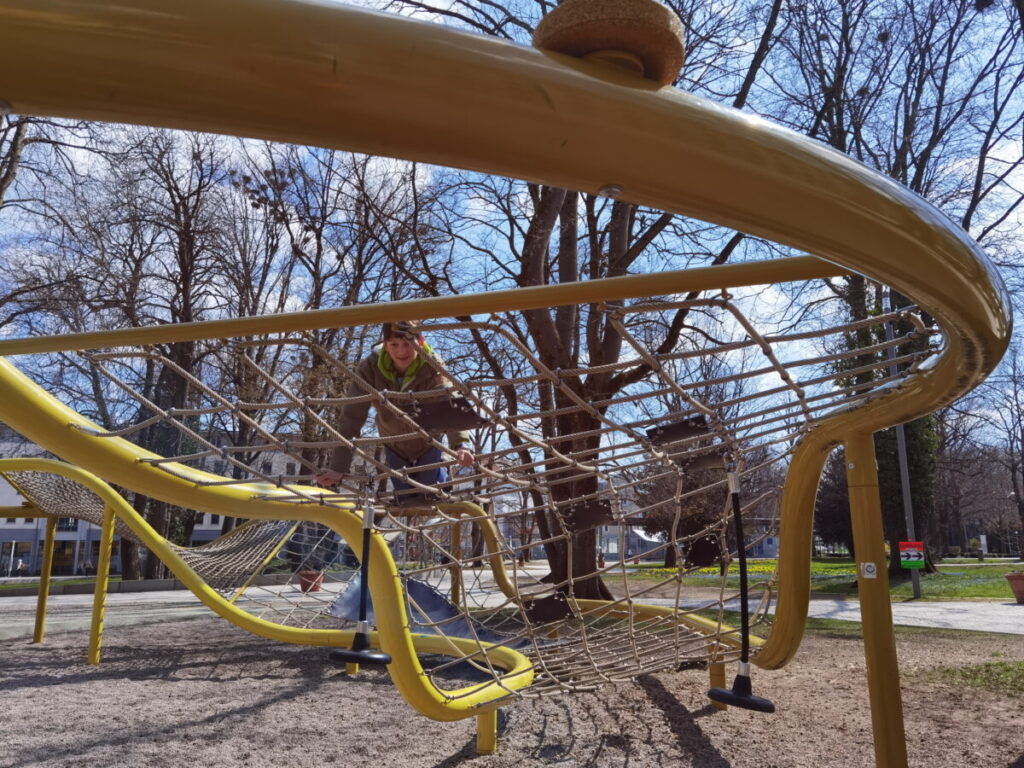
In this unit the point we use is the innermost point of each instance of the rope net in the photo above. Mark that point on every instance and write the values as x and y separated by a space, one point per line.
603 471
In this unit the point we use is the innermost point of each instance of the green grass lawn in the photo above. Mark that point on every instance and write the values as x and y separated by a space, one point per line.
1000 676
960 583
963 580
837 627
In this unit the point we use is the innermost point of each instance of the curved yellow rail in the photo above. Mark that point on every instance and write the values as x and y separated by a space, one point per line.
437 703
159 547
333 76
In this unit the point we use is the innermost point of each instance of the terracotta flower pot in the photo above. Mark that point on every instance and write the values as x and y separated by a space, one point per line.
310 581
1016 579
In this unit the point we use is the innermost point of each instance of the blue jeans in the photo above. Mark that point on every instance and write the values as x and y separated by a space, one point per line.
426 476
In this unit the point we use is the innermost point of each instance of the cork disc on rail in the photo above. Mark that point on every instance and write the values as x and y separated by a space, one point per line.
646 32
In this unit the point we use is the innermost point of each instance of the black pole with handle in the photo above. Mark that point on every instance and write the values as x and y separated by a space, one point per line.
361 652
741 693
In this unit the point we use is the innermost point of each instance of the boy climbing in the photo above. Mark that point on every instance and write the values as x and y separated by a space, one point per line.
398 363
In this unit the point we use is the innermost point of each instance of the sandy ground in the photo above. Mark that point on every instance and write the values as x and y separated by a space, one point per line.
203 693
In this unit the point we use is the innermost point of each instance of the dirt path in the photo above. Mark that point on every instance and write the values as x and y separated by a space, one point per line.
202 693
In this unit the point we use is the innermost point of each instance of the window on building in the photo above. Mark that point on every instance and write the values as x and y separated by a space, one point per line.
12 519
67 524
214 519
268 467
289 468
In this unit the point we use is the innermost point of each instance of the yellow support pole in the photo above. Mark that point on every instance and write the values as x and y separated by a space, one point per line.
717 673
875 608
351 669
99 595
44 580
487 733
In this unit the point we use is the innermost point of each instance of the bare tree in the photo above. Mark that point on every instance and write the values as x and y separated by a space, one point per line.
537 235
131 242
1006 395
36 154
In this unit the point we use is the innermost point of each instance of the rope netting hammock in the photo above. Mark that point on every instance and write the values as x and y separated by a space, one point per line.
470 550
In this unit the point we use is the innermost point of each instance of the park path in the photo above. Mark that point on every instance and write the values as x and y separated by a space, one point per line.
67 613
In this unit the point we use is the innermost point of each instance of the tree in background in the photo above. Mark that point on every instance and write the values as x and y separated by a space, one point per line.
544 235
832 505
1006 417
932 95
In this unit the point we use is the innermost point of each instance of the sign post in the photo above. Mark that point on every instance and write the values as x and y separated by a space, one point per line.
901 453
912 554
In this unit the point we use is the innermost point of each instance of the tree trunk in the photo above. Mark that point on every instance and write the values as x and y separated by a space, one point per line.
671 556
581 551
155 569
574 560
130 570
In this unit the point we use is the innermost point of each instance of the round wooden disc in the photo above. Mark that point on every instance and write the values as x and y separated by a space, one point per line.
647 29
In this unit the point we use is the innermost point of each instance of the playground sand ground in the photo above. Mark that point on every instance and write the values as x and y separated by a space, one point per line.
203 693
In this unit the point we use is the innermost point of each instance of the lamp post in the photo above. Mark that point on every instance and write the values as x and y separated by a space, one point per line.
1013 538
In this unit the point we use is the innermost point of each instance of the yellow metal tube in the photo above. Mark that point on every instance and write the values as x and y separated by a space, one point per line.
489 530
99 595
796 527
716 672
44 580
487 733
21 511
875 607
531 297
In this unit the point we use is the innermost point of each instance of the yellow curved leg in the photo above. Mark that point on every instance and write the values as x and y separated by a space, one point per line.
717 674
487 733
44 581
99 595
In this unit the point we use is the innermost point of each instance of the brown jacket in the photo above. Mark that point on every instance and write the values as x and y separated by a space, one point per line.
378 371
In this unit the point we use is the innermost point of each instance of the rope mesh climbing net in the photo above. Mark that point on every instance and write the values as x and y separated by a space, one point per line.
600 469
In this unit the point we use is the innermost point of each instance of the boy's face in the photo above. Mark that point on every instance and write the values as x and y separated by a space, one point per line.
402 352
